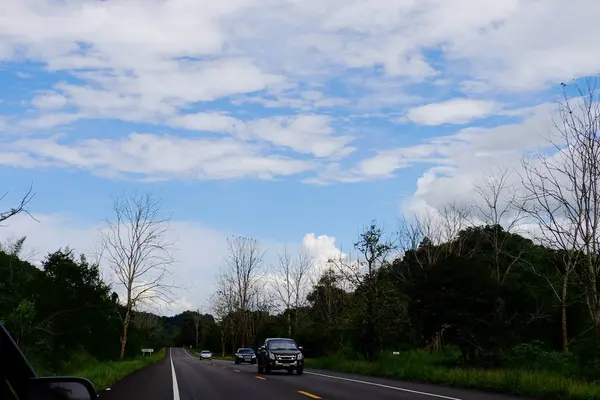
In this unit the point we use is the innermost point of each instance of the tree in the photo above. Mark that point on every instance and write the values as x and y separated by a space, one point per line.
21 206
502 212
563 197
373 248
136 249
291 276
329 302
430 235
197 317
14 249
244 270
223 302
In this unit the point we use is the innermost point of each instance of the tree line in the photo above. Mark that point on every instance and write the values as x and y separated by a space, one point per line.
516 268
519 265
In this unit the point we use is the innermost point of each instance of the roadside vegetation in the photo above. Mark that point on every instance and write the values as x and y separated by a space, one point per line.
498 293
549 376
105 374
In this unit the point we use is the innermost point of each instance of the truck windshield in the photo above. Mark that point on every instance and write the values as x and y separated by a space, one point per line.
282 345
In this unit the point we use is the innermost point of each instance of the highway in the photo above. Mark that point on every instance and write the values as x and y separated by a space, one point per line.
182 376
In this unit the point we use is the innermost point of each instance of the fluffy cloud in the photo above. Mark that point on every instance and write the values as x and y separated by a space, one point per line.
322 248
199 251
320 66
156 157
455 111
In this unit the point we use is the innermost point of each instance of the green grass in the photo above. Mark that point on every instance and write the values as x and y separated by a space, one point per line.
424 367
105 374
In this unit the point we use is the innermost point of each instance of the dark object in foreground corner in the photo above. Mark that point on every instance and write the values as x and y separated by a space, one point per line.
59 388
19 382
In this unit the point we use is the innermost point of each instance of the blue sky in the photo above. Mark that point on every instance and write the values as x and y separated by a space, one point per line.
274 118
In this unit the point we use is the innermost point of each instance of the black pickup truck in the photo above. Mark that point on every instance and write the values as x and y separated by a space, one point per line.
280 354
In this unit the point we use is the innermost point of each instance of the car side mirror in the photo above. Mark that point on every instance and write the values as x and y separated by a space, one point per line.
61 388
301 348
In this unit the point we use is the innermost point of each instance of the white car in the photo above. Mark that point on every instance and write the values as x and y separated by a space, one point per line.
205 355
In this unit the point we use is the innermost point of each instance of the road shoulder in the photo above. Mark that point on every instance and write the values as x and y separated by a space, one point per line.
151 382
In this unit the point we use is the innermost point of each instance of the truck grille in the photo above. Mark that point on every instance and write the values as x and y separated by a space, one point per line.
286 358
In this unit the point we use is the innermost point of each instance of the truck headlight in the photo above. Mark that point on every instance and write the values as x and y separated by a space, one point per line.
300 356
271 356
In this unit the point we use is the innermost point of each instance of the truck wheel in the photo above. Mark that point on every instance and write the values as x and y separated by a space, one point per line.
300 371
260 369
237 361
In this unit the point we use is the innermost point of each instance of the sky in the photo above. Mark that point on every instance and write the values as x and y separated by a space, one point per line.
294 122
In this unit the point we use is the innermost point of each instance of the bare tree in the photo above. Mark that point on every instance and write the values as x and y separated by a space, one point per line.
20 207
284 287
433 233
136 249
223 306
244 269
290 282
197 318
564 198
502 212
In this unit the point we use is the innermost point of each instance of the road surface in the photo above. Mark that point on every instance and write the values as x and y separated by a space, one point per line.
182 376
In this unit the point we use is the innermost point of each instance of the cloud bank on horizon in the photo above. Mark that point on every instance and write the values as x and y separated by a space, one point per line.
335 111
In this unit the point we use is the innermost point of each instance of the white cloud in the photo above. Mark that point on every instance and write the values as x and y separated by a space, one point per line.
322 248
248 46
454 111
161 157
153 61
49 101
312 134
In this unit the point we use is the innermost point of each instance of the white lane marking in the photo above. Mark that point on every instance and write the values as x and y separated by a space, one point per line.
384 386
175 388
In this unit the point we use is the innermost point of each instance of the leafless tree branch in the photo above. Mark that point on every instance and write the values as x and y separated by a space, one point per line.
136 249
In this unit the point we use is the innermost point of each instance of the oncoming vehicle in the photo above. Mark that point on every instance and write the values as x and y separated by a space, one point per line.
205 355
280 354
18 380
245 354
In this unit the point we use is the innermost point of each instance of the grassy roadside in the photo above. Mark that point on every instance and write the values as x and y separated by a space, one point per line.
423 367
105 374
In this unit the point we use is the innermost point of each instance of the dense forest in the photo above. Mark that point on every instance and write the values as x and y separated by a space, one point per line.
486 292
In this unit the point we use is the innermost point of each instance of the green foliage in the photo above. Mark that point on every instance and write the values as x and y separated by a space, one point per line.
105 374
462 312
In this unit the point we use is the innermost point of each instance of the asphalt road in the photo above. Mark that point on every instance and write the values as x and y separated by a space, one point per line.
182 376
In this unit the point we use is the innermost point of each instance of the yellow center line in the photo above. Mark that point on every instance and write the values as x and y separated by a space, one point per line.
261 378
312 396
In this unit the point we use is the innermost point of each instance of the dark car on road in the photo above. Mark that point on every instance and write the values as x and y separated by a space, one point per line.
245 355
280 354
